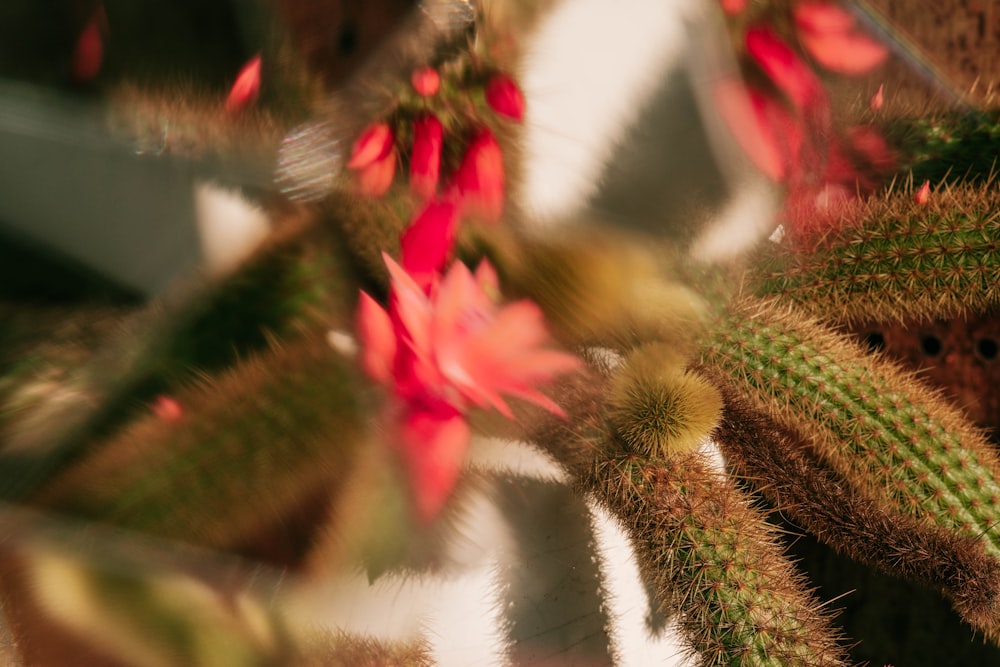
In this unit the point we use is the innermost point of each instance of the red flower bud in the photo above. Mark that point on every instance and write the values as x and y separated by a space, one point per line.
373 145
479 181
246 87
426 81
88 54
923 195
425 158
505 97
374 179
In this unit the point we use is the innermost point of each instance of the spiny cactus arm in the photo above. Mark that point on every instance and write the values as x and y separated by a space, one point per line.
250 447
894 258
954 147
715 562
877 426
779 464
299 280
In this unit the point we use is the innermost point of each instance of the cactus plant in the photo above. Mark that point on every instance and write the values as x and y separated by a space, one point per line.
312 410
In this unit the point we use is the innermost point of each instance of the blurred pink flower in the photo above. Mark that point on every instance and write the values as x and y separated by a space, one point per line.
247 86
446 351
425 156
505 97
478 185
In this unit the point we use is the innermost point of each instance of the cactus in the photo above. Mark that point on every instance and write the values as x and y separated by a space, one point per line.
894 259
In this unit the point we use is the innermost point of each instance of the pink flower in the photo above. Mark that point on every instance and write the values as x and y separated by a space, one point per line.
505 97
833 38
426 81
478 184
425 158
373 145
426 244
445 351
247 86
88 53
784 67
762 126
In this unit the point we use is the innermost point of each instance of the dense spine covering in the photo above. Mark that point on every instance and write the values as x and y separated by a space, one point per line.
715 562
282 426
877 426
810 493
954 147
894 258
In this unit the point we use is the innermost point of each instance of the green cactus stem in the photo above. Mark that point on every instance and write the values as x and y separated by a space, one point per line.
876 425
779 464
248 448
953 147
716 564
297 282
894 259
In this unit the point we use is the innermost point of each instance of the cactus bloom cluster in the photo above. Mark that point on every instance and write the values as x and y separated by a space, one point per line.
444 351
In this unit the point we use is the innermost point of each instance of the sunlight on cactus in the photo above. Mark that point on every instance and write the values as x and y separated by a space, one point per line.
449 413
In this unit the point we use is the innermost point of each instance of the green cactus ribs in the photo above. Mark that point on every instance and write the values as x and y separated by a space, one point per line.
953 147
878 427
895 259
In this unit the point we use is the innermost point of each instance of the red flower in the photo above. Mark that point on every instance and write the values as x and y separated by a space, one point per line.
784 67
833 38
425 158
247 86
505 97
373 145
478 184
426 81
444 352
426 243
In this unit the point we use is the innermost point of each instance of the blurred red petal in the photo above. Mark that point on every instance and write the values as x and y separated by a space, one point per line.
753 118
373 145
167 408
425 157
878 99
505 97
834 39
784 67
247 86
479 181
377 337
426 244
433 443
375 178
734 6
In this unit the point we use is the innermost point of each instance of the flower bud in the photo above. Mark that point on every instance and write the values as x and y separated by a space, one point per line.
373 145
479 181
425 158
426 81
504 96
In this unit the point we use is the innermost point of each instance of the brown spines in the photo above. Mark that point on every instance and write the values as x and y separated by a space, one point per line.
781 466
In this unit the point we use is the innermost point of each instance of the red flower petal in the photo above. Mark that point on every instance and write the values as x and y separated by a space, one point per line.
758 123
426 81
426 244
479 181
832 37
784 67
733 7
377 337
375 178
425 158
433 443
373 145
247 86
505 97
